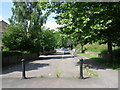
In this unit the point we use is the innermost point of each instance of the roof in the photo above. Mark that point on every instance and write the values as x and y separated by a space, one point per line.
2 21
3 26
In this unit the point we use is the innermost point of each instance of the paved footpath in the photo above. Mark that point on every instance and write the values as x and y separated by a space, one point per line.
42 73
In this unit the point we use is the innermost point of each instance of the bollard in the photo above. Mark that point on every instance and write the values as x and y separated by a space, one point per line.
81 68
23 69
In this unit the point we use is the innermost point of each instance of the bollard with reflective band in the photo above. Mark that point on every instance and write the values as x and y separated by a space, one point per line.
81 69
23 69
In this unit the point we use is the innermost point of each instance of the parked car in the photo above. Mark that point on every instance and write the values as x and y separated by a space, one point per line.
66 51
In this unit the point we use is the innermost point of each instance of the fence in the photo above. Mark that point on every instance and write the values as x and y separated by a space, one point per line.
13 58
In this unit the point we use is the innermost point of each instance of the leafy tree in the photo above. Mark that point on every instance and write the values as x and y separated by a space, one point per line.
89 22
31 17
58 39
48 40
15 38
106 28
74 22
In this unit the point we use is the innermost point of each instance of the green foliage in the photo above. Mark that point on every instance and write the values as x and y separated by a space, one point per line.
5 49
89 22
82 23
62 39
15 38
24 32
48 39
58 39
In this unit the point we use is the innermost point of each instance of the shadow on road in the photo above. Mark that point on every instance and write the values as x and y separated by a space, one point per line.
29 66
92 64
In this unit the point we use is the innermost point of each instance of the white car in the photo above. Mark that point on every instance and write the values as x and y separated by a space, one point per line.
66 51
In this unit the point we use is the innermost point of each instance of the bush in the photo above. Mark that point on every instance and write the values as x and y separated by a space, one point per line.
48 40
16 39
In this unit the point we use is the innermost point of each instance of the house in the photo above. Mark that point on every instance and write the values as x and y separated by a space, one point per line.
3 28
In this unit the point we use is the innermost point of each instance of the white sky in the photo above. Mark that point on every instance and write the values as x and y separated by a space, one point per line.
51 22
51 25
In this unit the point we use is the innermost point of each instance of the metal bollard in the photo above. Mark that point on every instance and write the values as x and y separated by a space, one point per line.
81 69
23 69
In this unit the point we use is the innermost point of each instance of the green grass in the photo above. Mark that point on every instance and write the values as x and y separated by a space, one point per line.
86 55
95 47
113 65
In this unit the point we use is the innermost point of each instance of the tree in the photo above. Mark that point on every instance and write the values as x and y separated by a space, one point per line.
89 22
74 21
31 17
15 39
48 40
107 27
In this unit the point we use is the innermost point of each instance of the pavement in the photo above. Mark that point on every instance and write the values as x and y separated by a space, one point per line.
59 71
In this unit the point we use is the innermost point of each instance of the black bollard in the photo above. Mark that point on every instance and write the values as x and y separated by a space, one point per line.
81 69
23 69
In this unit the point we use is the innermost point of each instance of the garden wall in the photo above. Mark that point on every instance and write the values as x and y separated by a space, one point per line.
14 58
106 56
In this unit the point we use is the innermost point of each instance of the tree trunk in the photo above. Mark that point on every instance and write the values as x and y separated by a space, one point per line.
82 51
109 43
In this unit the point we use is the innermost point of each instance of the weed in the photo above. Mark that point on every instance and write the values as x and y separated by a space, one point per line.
41 76
92 74
77 76
58 74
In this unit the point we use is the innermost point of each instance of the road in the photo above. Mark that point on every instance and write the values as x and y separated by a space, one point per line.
46 66
44 73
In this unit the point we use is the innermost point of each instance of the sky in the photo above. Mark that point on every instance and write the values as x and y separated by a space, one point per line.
5 13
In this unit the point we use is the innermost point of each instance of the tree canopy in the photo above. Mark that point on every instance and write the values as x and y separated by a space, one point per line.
89 22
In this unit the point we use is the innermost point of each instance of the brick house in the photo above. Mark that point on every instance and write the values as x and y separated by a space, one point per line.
3 28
